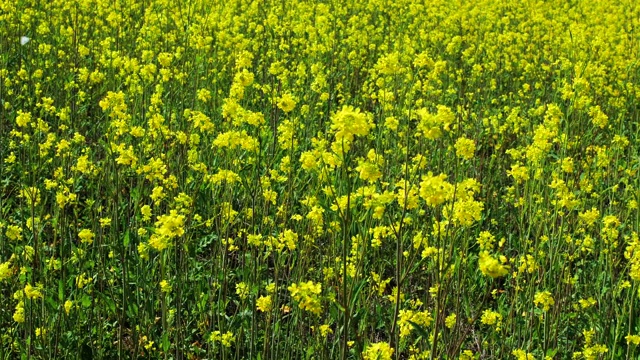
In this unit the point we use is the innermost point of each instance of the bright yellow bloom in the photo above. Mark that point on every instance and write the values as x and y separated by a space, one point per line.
286 102
165 287
68 305
145 210
86 236
5 270
23 119
264 303
450 321
465 148
167 227
407 318
490 266
242 290
225 339
348 123
13 232
378 351
435 189
544 299
307 295
18 315
325 330
522 355
431 125
490 317
33 292
633 339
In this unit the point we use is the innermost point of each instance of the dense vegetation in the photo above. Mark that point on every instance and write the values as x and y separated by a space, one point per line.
373 179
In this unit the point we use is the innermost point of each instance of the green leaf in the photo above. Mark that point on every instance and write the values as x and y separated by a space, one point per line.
132 310
110 304
419 329
552 353
126 239
354 296
165 342
51 302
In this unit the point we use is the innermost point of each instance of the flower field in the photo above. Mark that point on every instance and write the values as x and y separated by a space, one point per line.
205 179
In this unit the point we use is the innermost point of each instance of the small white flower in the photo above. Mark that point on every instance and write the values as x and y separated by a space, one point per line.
24 40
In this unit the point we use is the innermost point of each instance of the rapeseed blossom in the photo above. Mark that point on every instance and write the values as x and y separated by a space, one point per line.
490 266
378 351
307 295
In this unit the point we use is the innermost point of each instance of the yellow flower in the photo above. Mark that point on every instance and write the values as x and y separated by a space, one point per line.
543 298
349 122
18 315
519 173
431 125
148 345
325 330
264 303
587 303
490 266
378 351
225 339
466 355
13 232
68 305
308 160
391 123
633 339
465 212
84 165
307 295
82 280
465 148
86 236
165 287
33 292
286 102
486 240
407 318
23 119
450 321
522 355
589 217
5 270
242 290
32 194
204 95
167 227
598 118
435 189
490 317
145 210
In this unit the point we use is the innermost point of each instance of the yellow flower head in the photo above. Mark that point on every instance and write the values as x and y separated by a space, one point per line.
286 102
86 236
378 351
264 303
33 292
465 148
307 294
543 299
490 266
